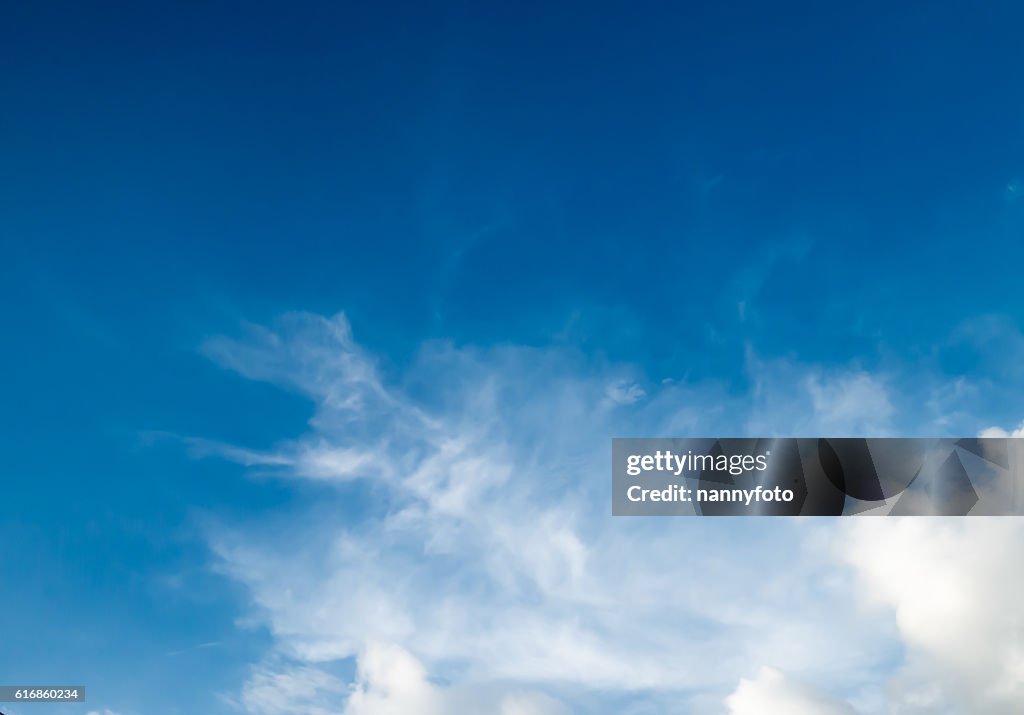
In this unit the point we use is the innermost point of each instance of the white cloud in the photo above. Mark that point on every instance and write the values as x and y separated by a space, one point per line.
790 399
772 693
624 393
954 586
391 681
294 690
479 551
1000 432
850 405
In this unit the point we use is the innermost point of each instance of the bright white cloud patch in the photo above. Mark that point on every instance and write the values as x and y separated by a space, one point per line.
771 693
954 586
1000 432
460 545
391 681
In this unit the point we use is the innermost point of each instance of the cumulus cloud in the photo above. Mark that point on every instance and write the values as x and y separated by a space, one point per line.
460 546
391 682
772 693
1000 432
953 586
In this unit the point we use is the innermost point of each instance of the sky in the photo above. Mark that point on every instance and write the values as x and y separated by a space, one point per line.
318 320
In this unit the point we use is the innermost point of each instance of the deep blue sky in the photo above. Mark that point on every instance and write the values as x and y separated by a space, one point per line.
613 177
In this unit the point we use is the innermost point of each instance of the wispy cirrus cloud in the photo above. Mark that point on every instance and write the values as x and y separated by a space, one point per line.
290 688
482 566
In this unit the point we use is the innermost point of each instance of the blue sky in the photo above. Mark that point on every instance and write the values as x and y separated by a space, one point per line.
507 233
